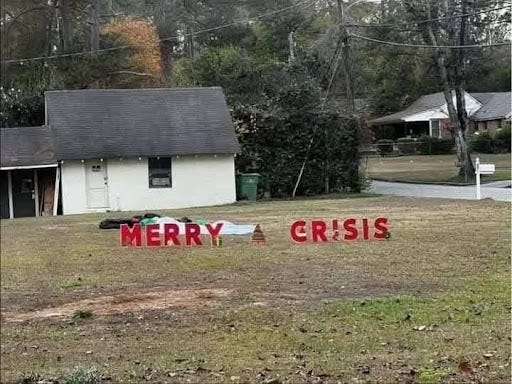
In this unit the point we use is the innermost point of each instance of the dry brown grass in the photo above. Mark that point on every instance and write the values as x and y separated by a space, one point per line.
331 312
440 168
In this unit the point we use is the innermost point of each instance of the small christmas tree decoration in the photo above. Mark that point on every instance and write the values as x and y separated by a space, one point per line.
257 236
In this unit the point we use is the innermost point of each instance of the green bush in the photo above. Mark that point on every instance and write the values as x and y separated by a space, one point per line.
385 146
82 375
434 146
406 145
502 139
482 143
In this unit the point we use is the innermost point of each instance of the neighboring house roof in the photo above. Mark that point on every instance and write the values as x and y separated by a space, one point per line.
26 146
424 103
103 123
494 105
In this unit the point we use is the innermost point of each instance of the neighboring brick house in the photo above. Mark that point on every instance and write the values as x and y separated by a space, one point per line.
428 115
493 114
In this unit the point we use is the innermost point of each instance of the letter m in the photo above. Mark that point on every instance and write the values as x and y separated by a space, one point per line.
130 235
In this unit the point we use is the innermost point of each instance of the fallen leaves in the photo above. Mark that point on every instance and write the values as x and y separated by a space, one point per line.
465 368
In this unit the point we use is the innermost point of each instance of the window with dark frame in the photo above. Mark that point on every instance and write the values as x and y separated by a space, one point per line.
27 186
435 128
160 172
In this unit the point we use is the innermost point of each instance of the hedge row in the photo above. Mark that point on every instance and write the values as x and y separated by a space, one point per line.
425 145
485 143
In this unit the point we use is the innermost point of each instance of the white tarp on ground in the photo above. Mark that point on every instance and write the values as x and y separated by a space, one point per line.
228 228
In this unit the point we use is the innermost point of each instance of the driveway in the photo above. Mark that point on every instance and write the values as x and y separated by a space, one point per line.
495 191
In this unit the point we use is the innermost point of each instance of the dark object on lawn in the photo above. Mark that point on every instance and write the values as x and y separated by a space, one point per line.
82 314
116 223
185 220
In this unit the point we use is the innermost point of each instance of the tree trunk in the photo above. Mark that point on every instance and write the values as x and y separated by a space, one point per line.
458 116
466 169
291 53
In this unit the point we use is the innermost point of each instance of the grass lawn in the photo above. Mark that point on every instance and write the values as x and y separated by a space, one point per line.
429 305
439 168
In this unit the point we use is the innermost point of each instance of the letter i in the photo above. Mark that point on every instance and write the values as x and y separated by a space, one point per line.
335 231
366 234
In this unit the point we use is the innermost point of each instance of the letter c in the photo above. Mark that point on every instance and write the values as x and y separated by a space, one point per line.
298 237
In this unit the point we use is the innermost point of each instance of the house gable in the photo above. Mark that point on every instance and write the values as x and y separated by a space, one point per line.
428 107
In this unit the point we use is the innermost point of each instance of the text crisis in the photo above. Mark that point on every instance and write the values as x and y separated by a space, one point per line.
339 230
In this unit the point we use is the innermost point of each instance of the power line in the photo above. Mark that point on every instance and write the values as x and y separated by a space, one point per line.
425 21
39 58
429 46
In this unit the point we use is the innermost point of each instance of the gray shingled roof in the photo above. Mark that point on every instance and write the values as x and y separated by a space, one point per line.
424 103
103 123
26 146
495 105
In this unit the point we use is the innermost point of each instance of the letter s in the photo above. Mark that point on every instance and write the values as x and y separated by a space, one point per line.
381 229
350 228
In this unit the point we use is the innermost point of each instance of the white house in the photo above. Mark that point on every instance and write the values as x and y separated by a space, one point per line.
429 115
121 149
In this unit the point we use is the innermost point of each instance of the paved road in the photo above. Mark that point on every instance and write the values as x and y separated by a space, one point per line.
495 191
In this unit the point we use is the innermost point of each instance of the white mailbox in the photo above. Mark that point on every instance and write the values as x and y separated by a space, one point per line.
486 169
482 169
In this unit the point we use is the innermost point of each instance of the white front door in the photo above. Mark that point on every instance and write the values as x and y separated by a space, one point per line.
97 183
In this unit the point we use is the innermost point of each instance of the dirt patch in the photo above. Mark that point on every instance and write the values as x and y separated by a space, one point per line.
131 302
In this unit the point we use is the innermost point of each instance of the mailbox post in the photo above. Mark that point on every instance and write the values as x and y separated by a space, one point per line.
477 172
481 169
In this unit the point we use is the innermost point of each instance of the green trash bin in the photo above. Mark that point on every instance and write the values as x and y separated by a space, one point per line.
248 184
238 179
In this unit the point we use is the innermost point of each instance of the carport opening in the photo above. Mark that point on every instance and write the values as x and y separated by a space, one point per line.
28 192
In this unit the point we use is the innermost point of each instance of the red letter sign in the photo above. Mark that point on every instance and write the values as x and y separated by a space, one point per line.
192 234
128 235
301 226
152 235
171 232
351 230
214 232
318 228
381 229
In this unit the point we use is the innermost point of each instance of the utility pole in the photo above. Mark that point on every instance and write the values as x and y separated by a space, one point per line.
347 70
67 25
346 56
95 28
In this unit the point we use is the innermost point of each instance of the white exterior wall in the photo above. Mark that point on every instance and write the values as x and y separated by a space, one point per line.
74 198
202 180
440 113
